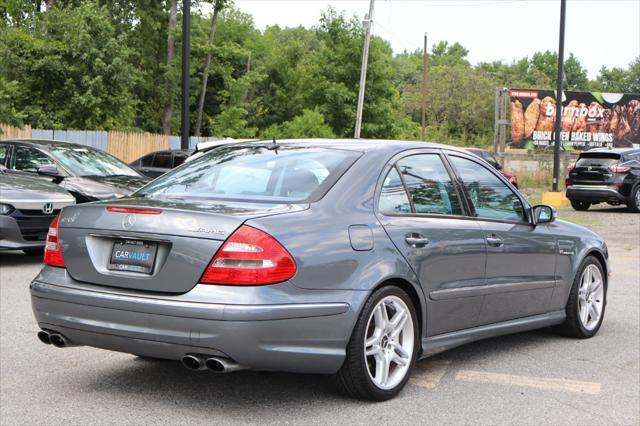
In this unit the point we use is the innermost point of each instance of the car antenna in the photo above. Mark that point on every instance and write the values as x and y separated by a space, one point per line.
274 146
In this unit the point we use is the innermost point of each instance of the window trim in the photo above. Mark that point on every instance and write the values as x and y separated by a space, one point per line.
525 204
393 163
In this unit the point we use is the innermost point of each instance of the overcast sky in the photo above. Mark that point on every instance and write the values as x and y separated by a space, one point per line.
598 32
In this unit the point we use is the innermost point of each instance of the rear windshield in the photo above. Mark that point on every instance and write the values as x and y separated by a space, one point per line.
258 172
603 159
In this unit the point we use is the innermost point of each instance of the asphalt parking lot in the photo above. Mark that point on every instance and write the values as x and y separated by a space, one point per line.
530 378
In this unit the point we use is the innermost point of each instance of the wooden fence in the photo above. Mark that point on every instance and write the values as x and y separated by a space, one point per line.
7 132
129 146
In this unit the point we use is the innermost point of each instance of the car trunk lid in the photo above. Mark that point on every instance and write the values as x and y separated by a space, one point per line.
152 245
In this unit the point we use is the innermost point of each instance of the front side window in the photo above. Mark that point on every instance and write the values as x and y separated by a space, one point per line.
147 161
393 197
29 159
429 185
254 172
491 198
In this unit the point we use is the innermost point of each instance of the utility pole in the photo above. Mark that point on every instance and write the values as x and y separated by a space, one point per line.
368 21
424 89
556 146
186 42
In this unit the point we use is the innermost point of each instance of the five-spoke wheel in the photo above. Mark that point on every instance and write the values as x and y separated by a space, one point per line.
383 347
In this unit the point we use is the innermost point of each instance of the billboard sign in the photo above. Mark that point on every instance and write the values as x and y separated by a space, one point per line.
589 119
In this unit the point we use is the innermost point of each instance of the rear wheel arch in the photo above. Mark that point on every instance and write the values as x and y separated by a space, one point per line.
413 293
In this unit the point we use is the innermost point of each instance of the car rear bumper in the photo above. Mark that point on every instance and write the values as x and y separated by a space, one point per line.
594 193
11 237
307 337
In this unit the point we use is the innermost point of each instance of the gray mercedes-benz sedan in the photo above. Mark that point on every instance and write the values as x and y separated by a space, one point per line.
317 256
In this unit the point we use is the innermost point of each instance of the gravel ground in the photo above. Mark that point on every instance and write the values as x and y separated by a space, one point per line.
530 378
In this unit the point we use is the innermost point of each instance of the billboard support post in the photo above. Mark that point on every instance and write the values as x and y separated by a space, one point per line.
558 123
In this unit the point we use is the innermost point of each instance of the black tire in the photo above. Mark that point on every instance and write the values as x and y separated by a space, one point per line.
580 205
572 326
353 376
634 204
39 251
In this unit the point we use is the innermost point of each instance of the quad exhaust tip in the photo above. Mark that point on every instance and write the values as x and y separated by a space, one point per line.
43 336
197 362
55 339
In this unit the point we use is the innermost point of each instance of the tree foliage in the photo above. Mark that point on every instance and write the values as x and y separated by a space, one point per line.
102 64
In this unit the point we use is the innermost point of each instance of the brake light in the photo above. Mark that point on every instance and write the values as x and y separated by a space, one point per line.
52 251
618 168
137 210
250 257
571 167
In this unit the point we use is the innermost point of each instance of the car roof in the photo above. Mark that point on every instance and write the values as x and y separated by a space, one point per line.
47 143
614 150
357 144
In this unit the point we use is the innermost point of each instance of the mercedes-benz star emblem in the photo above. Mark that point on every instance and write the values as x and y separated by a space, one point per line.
47 208
128 221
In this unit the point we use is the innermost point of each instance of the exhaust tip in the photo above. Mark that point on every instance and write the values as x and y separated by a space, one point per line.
215 365
43 336
57 340
193 362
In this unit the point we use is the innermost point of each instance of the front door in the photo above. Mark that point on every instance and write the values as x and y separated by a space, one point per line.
521 258
420 208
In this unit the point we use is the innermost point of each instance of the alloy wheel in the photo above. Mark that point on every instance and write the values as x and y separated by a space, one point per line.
389 342
590 297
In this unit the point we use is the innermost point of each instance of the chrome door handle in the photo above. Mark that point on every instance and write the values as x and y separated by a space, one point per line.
494 241
416 240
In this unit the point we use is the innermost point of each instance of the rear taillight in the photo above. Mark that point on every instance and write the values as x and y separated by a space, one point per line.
52 251
250 257
618 168
571 167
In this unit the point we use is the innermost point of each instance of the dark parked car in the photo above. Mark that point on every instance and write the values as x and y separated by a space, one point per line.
491 159
317 256
160 162
27 207
605 175
89 174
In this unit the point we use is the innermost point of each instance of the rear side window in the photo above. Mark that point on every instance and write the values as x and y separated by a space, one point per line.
429 185
393 197
178 158
256 172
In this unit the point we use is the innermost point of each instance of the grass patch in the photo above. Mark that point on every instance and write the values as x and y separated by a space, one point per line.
580 220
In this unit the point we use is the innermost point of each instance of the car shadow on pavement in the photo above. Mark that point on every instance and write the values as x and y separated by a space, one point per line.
204 391
18 257
159 381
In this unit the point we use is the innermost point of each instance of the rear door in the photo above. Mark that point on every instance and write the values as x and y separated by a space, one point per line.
521 258
421 209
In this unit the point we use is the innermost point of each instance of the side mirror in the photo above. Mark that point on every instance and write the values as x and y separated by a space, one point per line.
543 214
498 166
49 170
